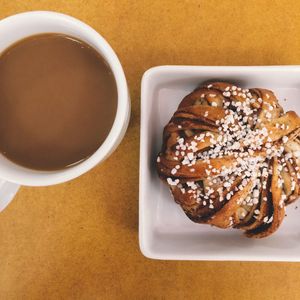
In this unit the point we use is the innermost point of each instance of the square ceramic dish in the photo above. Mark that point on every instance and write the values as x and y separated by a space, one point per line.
164 230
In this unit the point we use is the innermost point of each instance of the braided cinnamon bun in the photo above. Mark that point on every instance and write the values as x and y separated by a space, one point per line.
231 158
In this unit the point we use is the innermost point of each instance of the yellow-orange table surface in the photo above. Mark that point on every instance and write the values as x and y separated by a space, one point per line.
79 240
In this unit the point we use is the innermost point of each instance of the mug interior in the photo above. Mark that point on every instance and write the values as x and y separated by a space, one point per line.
17 27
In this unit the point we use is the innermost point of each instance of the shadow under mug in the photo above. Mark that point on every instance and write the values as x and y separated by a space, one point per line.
17 27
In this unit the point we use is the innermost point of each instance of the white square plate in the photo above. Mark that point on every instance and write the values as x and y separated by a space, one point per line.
164 230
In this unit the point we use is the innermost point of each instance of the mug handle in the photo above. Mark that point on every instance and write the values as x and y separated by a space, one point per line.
7 192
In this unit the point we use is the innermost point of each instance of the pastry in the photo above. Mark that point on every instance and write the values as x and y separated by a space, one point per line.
231 158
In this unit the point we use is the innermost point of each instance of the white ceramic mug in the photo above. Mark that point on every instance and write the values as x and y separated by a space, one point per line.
17 27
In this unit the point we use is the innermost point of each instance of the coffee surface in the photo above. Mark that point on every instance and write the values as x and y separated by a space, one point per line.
58 100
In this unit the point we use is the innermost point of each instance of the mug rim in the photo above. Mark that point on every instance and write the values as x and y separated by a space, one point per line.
26 176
